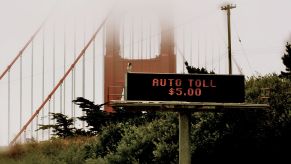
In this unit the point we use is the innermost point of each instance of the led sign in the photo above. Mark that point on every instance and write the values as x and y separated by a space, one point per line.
185 87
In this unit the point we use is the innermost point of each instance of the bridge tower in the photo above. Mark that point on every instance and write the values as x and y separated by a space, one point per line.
115 66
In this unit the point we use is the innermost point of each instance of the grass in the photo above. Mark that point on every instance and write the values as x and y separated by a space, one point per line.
56 151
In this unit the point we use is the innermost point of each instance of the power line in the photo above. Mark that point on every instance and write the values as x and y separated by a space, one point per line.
243 49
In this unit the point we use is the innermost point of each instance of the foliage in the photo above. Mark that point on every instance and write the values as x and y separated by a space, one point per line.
192 69
63 127
57 151
243 133
238 136
286 58
94 116
155 142
276 132
246 135
97 118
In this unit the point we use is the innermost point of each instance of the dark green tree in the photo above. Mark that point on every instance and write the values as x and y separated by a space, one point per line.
286 58
63 127
97 118
94 116
192 69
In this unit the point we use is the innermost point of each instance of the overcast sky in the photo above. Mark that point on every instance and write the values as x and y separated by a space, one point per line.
260 30
262 26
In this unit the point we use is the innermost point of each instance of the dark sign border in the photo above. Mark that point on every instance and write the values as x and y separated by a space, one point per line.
185 87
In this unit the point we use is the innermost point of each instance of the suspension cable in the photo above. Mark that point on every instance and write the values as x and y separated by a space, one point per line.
81 54
132 39
94 60
9 108
65 51
198 53
43 65
23 49
150 39
183 54
191 44
49 108
83 72
31 87
20 92
74 75
61 98
54 70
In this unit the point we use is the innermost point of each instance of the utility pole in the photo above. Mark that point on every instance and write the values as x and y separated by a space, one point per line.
227 8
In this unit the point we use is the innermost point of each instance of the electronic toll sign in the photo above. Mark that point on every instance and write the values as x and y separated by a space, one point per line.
185 87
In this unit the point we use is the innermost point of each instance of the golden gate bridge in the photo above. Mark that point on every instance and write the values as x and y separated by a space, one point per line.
72 56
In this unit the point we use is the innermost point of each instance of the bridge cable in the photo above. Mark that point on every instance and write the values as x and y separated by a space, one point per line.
31 87
183 54
94 66
20 92
81 54
25 45
54 70
65 51
43 73
84 70
74 75
9 102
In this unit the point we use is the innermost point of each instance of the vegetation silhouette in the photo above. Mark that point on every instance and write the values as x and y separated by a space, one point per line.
238 136
286 58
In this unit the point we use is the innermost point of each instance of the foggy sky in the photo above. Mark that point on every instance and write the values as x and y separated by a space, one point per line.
260 30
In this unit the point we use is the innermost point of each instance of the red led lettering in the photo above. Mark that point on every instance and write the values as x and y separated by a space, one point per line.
155 83
163 82
198 83
190 82
170 82
205 84
197 92
178 82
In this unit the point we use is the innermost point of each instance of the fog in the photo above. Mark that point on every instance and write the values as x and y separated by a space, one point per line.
260 30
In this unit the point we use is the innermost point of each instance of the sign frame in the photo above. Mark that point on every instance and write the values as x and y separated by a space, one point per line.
184 87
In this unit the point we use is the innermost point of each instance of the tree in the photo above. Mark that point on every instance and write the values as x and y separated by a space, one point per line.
94 116
286 58
97 118
192 69
63 127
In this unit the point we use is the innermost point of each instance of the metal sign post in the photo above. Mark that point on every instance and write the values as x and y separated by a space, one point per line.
184 137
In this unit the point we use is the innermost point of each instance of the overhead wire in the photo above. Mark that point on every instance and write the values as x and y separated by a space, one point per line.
243 49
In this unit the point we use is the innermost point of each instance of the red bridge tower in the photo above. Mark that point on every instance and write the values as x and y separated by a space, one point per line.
116 66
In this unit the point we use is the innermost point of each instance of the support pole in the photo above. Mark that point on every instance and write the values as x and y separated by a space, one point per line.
184 138
227 8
